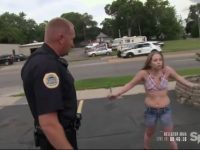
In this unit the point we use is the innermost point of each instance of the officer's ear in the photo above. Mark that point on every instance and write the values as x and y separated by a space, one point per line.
57 36
61 38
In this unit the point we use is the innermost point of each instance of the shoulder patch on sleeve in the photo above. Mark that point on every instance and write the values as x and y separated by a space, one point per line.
51 80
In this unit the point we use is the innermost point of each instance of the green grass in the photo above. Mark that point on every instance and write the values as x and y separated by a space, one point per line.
105 82
181 45
188 72
108 82
20 94
119 81
114 53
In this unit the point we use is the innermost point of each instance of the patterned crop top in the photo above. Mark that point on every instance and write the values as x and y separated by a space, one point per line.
151 85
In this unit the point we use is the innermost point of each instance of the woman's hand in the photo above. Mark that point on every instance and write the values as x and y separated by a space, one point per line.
195 86
112 96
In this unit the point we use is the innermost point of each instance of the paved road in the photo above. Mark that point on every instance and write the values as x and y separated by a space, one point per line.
105 125
10 75
105 69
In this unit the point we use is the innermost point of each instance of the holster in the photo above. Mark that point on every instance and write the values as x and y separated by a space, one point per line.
77 122
37 135
74 123
36 138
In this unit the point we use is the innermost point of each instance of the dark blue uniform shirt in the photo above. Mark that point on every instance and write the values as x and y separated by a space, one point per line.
48 85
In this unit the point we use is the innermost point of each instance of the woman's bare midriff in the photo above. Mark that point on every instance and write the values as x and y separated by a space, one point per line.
157 99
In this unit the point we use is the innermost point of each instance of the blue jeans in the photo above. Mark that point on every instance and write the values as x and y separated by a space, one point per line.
152 115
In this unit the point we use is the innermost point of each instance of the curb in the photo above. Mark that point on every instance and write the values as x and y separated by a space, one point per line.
116 59
8 100
103 93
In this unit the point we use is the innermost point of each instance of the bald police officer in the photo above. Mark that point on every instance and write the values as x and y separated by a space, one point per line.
49 88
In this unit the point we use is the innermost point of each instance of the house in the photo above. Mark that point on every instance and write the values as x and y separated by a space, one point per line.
103 38
9 49
26 49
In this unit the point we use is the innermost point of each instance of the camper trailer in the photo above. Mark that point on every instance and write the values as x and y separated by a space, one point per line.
119 43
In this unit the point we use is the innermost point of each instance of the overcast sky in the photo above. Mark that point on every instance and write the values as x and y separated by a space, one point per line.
41 10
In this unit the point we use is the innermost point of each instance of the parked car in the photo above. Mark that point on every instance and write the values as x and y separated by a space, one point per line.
140 48
104 50
6 59
125 47
20 57
90 47
158 43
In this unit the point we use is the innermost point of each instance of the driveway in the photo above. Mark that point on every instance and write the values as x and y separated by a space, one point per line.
105 125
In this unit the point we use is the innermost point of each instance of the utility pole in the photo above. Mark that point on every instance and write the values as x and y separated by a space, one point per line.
119 33
198 21
128 26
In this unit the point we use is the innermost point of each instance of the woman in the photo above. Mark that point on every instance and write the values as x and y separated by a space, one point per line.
155 77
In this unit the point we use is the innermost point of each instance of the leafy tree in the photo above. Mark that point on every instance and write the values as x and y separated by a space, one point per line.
39 31
85 26
76 19
125 16
193 24
9 32
16 29
153 18
107 27
163 20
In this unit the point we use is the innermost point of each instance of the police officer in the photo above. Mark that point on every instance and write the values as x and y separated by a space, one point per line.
49 88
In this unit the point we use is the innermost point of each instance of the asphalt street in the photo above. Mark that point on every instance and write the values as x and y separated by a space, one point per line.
10 75
106 125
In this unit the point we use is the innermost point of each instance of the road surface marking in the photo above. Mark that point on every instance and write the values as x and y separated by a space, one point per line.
80 106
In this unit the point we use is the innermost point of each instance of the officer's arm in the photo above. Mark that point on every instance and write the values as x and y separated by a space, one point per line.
54 131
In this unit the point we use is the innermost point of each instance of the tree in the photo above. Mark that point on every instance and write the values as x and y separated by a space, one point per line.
9 31
126 16
85 26
39 31
193 21
153 18
163 20
76 19
16 29
107 24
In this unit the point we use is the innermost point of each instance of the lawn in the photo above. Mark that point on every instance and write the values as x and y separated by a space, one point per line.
121 80
182 45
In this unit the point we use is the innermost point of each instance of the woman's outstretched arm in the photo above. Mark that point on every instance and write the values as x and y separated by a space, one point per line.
136 79
180 78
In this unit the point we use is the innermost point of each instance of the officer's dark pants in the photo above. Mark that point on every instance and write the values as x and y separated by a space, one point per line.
70 134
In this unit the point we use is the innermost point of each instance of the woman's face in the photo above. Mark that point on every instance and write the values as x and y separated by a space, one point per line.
156 62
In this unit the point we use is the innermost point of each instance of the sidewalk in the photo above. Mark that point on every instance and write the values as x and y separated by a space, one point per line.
102 93
6 99
115 59
9 100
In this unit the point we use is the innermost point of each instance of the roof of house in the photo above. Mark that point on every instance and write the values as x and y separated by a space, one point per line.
32 44
102 35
